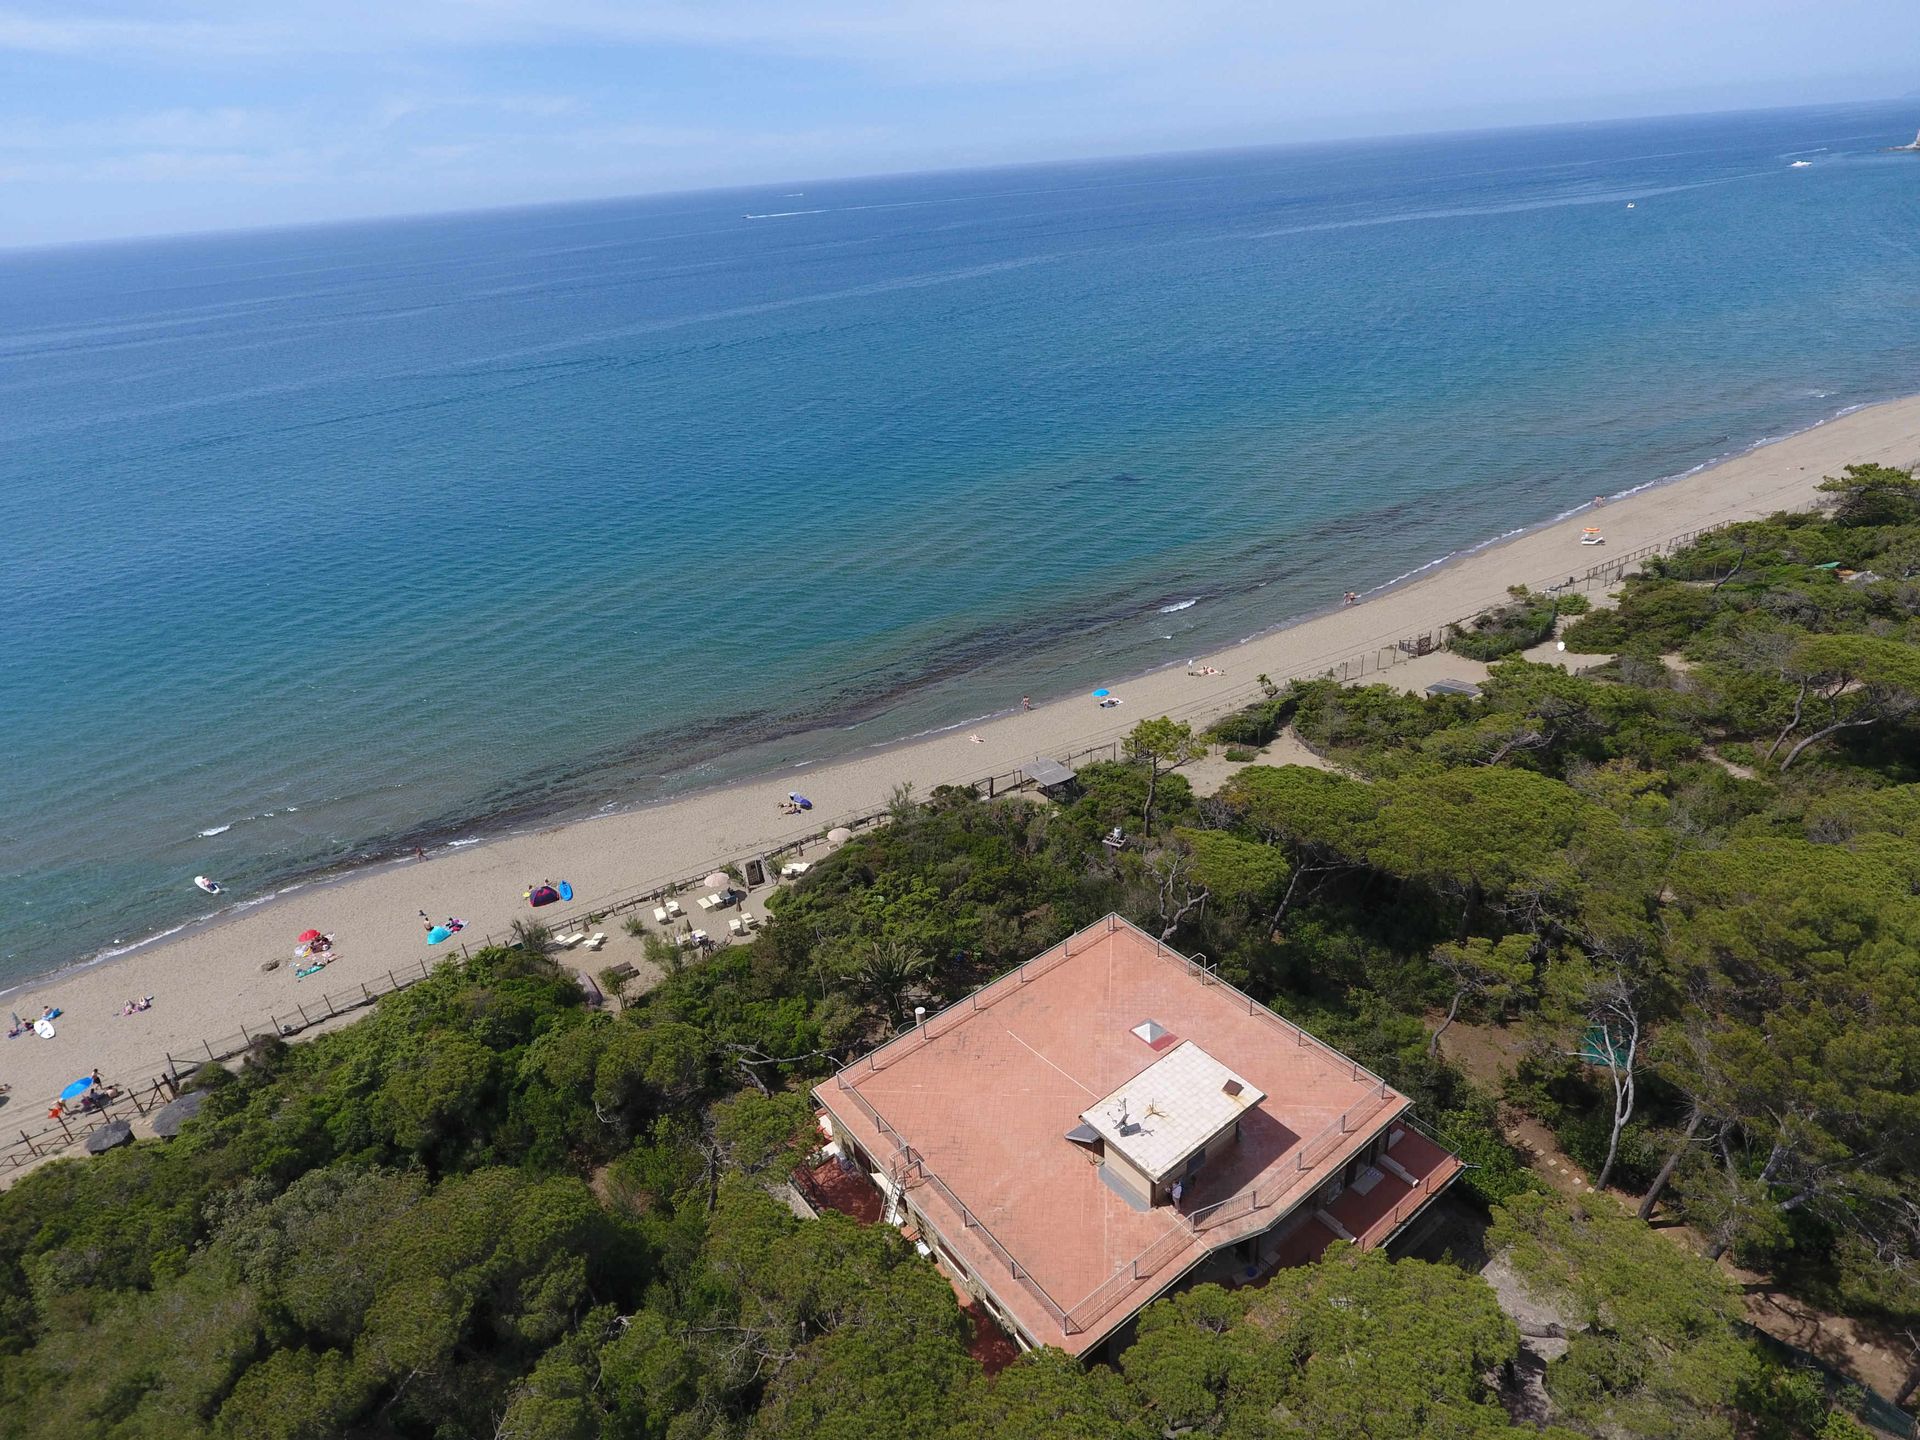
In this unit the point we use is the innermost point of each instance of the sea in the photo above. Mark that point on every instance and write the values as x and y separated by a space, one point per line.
318 544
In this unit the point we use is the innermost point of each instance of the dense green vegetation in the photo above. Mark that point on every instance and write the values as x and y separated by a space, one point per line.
1521 623
1689 879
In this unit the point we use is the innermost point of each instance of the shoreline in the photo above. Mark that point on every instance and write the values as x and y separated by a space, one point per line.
206 974
528 825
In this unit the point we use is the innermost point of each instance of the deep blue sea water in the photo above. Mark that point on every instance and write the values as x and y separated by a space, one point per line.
318 542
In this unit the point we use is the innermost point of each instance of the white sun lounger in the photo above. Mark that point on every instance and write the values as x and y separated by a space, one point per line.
748 919
796 867
567 942
673 907
737 925
596 940
660 914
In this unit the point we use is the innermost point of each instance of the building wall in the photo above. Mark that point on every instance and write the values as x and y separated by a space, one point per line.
1129 1176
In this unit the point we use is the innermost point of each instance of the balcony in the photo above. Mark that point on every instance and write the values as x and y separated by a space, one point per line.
1412 1171
833 1186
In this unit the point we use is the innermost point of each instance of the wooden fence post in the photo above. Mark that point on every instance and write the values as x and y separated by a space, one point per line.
31 1150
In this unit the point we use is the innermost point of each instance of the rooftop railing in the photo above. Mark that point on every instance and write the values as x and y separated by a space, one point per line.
1200 1225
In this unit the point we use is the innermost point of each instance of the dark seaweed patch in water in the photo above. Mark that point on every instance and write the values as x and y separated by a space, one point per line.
1125 477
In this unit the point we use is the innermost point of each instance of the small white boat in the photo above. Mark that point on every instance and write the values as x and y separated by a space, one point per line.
212 887
1800 165
1629 204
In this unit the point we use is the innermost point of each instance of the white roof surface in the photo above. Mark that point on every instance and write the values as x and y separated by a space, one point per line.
1172 1108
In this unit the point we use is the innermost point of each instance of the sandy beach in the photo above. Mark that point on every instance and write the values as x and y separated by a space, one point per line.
208 981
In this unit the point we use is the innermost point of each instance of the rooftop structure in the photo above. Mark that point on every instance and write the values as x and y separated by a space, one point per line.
1171 1110
997 1128
1047 773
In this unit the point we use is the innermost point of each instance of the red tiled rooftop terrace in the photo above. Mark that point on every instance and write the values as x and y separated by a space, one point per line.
828 1186
985 1092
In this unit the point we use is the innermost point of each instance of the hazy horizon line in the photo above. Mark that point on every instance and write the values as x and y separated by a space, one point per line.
9 250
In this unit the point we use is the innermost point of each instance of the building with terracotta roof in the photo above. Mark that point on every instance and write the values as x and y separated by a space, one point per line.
1074 1139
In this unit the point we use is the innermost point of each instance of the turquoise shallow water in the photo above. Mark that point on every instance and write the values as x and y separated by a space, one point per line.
315 543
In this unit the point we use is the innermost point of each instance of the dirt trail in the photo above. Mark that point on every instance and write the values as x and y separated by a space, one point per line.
1489 1052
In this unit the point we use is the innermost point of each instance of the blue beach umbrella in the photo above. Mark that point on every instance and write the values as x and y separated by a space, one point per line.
77 1088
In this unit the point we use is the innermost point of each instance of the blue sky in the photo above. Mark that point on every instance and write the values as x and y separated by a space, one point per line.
119 117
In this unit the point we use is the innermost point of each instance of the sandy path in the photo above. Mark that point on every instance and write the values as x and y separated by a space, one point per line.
207 981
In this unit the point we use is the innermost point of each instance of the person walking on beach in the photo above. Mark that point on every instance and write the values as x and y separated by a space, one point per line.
418 853
1026 702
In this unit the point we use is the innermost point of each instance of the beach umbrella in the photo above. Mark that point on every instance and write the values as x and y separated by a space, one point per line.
170 1117
77 1088
721 881
839 835
114 1132
800 800
1101 694
306 937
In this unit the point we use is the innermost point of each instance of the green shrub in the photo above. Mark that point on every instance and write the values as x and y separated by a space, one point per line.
1522 622
1240 754
1258 724
1495 1172
1653 614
